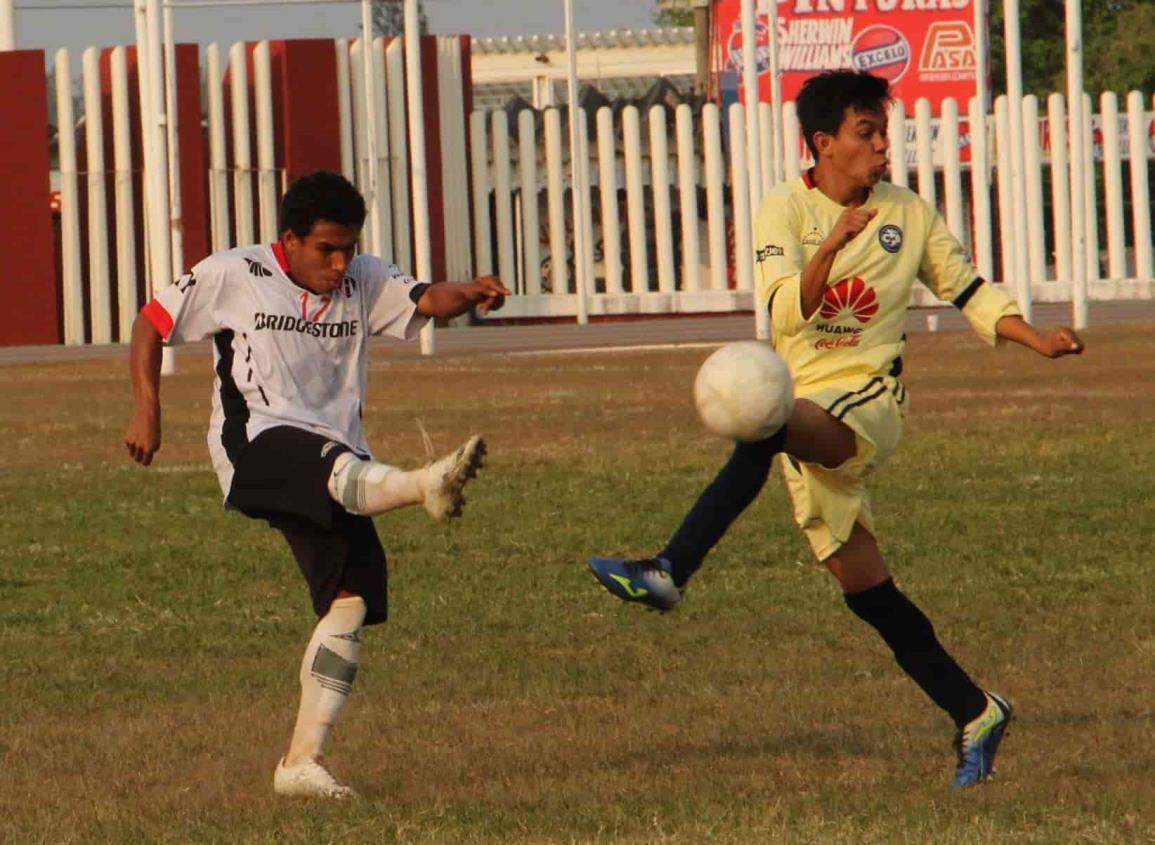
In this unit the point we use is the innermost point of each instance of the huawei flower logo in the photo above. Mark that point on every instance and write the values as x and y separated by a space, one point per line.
851 295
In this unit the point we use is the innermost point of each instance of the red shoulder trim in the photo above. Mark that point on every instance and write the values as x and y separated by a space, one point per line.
279 253
808 177
161 320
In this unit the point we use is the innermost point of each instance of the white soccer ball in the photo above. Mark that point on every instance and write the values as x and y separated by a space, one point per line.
744 391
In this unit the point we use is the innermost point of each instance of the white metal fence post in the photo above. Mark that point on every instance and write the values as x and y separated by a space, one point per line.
530 226
660 188
688 198
98 276
715 195
1140 193
608 185
1113 186
73 293
1060 188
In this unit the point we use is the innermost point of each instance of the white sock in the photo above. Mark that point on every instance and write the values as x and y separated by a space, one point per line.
327 673
368 488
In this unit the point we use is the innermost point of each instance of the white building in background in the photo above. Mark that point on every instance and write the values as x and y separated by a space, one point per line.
619 63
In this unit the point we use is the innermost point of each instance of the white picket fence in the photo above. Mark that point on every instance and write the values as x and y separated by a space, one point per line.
242 196
686 247
683 248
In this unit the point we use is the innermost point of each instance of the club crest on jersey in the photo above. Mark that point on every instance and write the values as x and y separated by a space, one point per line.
814 237
349 284
890 236
853 295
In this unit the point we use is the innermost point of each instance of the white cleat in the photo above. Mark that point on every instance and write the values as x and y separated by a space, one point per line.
445 478
310 780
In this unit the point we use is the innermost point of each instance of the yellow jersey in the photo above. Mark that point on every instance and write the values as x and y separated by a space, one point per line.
859 330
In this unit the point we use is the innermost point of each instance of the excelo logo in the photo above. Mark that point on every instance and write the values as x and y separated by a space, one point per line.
881 50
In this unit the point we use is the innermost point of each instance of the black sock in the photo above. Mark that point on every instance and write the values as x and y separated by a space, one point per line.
731 492
911 637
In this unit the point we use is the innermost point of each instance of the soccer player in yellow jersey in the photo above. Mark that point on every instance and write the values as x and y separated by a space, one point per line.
837 254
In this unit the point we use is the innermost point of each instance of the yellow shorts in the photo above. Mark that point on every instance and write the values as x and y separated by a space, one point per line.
827 502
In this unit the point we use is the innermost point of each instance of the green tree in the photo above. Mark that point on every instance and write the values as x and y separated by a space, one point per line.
1117 39
1120 59
674 17
389 18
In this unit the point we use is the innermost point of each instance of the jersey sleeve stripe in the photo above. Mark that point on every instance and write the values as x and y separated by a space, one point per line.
963 298
161 320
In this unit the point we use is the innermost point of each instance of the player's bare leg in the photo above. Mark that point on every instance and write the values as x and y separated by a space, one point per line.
370 488
814 436
869 592
327 673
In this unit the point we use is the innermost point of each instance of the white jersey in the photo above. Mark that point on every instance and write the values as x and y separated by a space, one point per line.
284 355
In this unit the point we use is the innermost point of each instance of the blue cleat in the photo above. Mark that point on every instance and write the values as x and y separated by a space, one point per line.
646 581
977 743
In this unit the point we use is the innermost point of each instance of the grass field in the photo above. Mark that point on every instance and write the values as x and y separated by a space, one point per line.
150 640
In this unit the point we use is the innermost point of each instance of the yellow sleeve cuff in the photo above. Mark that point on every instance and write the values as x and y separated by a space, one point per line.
786 315
984 305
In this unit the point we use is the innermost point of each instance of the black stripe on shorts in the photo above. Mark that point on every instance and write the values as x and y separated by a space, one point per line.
867 398
852 394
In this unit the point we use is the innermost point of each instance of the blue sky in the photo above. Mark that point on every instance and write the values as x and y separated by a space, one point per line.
76 28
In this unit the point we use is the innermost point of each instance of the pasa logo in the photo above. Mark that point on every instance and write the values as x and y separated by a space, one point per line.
949 46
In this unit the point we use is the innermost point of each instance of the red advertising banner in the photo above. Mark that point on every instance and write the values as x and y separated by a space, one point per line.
926 48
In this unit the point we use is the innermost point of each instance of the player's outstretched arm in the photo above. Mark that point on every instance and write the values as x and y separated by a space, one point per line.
1052 343
143 436
451 299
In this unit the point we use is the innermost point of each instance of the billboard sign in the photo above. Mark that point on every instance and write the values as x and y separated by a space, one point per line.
925 48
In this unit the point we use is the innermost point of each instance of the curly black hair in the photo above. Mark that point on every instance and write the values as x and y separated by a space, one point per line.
320 196
824 99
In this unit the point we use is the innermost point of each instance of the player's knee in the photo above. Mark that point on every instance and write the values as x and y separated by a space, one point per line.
351 483
347 610
346 481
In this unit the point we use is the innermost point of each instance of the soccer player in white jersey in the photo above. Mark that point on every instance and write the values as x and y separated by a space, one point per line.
290 324
837 254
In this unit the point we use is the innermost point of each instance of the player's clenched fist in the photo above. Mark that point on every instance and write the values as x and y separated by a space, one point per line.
1059 342
849 224
488 293
143 436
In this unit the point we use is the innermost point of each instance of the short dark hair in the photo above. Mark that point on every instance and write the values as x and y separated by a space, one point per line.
824 99
320 196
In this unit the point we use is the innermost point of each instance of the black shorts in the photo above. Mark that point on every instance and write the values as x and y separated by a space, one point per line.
282 477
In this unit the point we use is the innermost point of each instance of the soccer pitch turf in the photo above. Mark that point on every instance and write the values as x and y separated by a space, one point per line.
151 640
